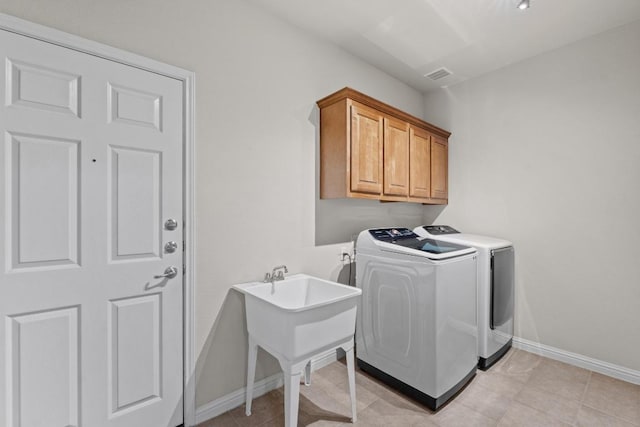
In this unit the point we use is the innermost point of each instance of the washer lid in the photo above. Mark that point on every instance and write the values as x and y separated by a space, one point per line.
467 239
403 240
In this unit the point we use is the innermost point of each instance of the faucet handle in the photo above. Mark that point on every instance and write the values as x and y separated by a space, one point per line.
280 267
267 277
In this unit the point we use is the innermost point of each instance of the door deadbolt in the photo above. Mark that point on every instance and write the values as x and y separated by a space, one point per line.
171 224
170 247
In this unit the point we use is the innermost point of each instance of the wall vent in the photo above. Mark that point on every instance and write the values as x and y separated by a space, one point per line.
438 74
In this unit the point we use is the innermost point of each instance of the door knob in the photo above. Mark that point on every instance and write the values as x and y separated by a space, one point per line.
169 273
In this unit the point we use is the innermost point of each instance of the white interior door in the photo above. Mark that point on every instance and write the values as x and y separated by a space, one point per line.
91 170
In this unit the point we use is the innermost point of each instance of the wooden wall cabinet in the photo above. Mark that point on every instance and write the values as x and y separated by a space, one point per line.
371 150
366 149
396 158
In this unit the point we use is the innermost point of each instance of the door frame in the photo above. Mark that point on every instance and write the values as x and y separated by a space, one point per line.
60 38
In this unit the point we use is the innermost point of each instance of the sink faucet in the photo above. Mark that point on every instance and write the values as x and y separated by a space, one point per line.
276 274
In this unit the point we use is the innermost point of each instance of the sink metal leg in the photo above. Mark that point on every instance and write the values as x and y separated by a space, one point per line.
352 383
291 398
307 374
251 373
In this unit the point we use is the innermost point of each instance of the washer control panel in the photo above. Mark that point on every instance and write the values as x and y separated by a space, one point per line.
392 234
436 230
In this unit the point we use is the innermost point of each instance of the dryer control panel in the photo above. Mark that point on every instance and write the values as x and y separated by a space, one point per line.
436 230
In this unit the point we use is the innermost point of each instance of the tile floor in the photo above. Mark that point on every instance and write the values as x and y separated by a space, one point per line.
522 389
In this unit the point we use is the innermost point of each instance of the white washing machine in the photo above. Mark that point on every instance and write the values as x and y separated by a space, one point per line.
495 289
416 328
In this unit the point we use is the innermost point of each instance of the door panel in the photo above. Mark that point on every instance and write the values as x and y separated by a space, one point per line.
366 149
439 168
43 368
91 169
134 341
396 157
135 107
420 163
42 87
135 195
42 202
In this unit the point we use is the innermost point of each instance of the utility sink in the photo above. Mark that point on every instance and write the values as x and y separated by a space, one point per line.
299 315
296 319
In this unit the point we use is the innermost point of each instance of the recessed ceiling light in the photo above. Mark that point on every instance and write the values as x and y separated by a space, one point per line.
524 4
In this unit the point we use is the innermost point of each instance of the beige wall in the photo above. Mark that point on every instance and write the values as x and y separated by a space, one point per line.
257 206
546 153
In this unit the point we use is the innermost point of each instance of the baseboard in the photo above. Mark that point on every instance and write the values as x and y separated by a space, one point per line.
325 359
237 398
605 368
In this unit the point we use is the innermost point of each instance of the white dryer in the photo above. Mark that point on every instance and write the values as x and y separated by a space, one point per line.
495 289
416 328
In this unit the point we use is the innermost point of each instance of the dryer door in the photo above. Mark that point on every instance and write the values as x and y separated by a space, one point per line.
502 287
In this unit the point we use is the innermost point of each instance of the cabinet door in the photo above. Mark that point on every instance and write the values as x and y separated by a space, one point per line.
396 157
419 163
366 149
439 168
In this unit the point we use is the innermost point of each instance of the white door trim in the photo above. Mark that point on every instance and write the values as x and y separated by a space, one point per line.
50 35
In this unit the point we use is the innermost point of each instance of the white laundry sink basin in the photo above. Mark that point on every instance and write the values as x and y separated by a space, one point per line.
296 319
300 315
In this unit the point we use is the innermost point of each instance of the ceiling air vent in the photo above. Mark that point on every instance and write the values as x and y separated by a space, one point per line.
438 74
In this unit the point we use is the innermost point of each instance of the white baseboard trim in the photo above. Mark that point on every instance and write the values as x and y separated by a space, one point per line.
605 368
324 359
237 398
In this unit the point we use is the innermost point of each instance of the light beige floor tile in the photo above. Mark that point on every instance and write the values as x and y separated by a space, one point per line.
317 420
374 385
224 420
276 422
457 415
559 378
487 402
335 372
396 403
516 364
390 413
319 423
388 394
302 422
305 419
589 417
553 405
614 397
264 408
520 415
317 403
522 389
499 383
340 391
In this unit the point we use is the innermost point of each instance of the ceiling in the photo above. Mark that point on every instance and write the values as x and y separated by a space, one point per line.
411 38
